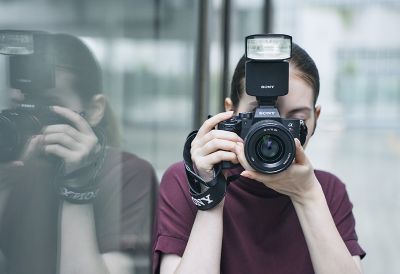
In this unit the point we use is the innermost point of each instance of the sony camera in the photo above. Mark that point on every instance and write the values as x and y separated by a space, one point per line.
19 124
269 139
31 70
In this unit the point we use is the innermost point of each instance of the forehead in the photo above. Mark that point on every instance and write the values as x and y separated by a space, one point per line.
64 88
300 92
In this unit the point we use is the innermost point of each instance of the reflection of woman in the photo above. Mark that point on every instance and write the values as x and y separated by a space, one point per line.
296 221
71 203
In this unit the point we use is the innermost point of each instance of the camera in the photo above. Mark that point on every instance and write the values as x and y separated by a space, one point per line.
32 71
19 124
269 139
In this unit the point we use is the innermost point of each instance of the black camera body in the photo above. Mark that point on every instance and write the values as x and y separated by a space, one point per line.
269 145
269 139
32 71
19 124
33 60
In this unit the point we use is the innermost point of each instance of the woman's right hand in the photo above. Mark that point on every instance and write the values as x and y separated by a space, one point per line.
211 146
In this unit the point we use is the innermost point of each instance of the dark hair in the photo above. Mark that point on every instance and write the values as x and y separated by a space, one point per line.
74 55
300 60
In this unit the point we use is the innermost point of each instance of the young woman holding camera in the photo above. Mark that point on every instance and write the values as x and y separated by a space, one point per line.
72 202
296 221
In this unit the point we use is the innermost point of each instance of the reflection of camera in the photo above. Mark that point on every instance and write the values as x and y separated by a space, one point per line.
269 139
18 125
32 71
31 60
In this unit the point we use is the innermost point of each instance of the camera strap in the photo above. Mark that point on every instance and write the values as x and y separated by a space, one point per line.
85 193
205 195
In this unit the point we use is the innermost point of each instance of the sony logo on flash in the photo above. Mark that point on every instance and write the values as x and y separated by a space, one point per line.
268 86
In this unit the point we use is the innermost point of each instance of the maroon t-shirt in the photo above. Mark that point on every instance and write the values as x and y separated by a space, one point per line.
262 233
123 212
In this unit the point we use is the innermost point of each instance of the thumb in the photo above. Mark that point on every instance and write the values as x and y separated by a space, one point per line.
301 157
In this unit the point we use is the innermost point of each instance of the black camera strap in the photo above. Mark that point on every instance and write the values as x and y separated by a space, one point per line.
87 192
205 195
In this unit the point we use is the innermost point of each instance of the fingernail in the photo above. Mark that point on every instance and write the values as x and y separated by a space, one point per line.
246 174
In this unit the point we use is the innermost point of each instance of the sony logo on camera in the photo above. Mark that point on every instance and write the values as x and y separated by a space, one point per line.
266 112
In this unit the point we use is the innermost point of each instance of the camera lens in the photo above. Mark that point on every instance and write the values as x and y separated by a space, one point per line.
269 147
16 127
8 139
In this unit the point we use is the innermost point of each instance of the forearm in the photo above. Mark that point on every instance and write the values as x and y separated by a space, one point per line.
328 251
4 194
203 250
78 243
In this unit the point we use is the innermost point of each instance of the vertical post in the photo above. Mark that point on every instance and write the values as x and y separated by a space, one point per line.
267 16
201 88
226 31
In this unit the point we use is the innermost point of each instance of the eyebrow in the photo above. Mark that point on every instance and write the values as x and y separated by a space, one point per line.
300 109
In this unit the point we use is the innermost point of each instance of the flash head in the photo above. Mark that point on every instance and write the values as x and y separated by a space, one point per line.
16 42
268 47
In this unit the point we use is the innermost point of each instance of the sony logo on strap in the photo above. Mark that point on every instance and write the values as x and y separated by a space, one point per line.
202 200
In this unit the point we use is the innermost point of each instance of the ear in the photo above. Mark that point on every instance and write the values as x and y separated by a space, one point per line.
97 107
228 104
317 113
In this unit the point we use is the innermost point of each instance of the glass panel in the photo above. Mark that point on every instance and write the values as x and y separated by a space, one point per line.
356 48
146 60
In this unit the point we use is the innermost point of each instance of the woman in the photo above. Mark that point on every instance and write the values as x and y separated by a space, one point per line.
296 221
71 203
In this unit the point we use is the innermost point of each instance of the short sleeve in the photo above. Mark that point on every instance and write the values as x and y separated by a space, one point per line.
175 215
342 211
125 206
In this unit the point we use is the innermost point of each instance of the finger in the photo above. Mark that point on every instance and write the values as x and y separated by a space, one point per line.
61 139
217 144
78 121
301 157
241 156
219 156
210 123
217 134
267 179
11 165
34 145
67 129
16 164
59 151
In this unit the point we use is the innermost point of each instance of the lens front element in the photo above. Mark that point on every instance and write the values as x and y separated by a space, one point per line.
269 147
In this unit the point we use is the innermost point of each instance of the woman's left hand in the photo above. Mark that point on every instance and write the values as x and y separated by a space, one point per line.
76 144
298 181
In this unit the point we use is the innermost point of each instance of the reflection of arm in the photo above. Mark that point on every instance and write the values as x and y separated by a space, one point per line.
203 250
7 179
4 194
98 238
79 248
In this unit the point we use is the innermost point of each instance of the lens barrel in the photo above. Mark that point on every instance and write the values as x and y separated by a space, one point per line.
269 147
